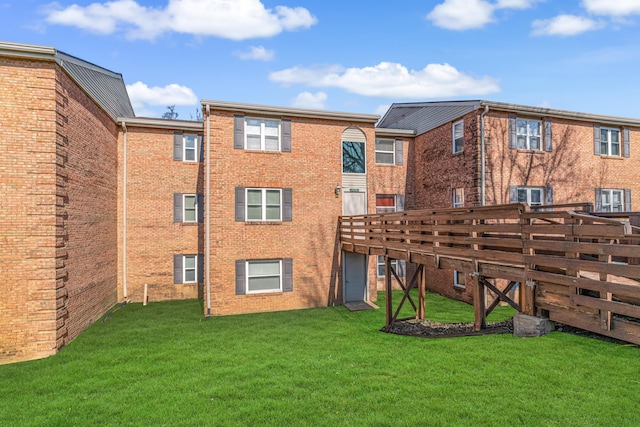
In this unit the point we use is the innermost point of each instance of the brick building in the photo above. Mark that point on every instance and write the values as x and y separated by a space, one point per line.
241 208
474 153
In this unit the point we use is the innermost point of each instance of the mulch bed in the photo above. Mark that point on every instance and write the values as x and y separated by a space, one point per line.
431 329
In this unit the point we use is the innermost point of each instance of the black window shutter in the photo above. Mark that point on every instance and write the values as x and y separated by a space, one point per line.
239 203
287 275
596 139
287 204
200 268
238 131
399 202
549 196
626 135
399 152
548 135
627 200
200 148
512 131
177 269
241 277
598 199
513 194
177 207
286 135
177 146
200 198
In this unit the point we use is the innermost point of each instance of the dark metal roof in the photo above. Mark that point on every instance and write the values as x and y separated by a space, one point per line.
424 116
105 87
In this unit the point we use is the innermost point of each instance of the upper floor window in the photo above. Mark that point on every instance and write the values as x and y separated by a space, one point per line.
533 196
458 197
187 147
262 134
188 207
264 204
385 151
609 142
190 147
188 268
353 157
528 134
458 136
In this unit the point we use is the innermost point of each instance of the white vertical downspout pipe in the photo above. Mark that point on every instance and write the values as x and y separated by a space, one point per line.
207 225
483 183
124 212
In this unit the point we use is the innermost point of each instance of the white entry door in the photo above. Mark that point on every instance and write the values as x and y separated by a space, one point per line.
355 265
354 203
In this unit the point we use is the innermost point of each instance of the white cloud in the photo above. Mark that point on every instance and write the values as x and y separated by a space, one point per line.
143 96
391 80
564 25
258 53
230 19
310 100
471 14
616 8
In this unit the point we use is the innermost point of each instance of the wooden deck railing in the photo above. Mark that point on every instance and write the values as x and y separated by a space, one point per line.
578 268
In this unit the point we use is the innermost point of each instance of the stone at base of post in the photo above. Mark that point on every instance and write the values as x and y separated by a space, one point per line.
531 326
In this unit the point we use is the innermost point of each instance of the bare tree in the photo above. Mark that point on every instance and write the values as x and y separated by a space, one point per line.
170 114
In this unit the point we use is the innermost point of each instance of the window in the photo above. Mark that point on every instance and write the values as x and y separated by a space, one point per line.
458 197
609 142
398 266
385 151
610 200
533 196
186 147
264 204
188 207
528 134
262 134
187 268
385 203
459 280
353 157
264 275
458 137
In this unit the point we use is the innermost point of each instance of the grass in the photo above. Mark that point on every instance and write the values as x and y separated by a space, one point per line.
166 365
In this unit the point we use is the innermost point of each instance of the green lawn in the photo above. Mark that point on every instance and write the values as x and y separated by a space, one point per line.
164 364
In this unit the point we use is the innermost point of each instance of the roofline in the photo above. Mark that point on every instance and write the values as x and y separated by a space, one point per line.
148 122
27 50
395 132
293 112
549 112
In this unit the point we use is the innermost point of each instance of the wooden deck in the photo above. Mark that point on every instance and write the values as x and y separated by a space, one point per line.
576 267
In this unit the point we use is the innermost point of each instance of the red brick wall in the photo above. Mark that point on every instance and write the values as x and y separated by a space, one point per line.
87 247
152 236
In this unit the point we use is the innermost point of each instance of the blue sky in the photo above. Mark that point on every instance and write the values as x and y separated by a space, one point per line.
355 56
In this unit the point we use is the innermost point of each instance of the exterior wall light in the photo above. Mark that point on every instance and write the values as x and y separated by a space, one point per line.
337 189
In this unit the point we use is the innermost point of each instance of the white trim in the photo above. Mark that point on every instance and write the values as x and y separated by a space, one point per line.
459 204
195 148
610 192
262 121
263 204
456 280
184 268
392 152
280 275
609 143
528 135
528 190
453 136
184 207
342 158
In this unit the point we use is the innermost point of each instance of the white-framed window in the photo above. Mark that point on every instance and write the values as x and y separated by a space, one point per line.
459 279
264 276
611 200
385 203
189 148
189 208
458 197
533 196
262 134
458 136
263 204
398 266
189 268
386 151
609 142
528 134
353 157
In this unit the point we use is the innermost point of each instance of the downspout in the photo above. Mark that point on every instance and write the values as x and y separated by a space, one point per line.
124 212
483 185
207 225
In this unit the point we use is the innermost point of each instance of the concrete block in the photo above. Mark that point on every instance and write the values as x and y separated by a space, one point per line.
531 326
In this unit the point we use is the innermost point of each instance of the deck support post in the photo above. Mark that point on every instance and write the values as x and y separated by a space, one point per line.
388 290
422 287
479 302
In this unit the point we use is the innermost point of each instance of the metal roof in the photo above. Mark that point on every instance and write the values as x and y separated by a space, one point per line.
424 116
105 87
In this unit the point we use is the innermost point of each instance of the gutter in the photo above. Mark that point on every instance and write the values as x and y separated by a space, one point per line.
124 212
483 178
207 225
